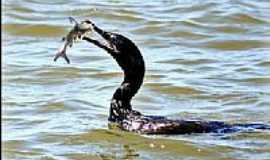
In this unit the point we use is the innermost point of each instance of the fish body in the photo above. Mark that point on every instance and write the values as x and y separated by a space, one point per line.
76 33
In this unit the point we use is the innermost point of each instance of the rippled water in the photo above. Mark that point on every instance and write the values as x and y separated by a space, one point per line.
207 60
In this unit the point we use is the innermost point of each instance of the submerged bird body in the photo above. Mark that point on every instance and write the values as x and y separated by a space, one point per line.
129 58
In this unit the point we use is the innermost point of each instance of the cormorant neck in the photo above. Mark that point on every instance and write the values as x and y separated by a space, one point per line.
129 58
133 78
132 64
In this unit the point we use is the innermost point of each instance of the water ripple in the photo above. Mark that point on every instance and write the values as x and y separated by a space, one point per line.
205 60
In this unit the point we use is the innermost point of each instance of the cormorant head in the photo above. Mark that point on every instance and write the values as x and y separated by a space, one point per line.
114 41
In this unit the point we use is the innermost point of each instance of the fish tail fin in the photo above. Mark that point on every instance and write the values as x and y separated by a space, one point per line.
66 58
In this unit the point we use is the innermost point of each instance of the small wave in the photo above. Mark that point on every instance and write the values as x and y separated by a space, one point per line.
38 30
107 75
166 88
189 62
246 19
264 64
257 81
236 44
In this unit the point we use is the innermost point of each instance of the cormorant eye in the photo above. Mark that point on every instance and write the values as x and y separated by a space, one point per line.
114 39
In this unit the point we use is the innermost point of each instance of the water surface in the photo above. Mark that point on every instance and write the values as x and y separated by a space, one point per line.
207 60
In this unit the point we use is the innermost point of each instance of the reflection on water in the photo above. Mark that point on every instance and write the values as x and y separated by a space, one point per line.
205 60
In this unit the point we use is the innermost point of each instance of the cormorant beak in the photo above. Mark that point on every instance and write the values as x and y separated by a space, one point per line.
110 38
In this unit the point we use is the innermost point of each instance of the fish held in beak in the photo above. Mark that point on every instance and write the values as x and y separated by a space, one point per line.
79 31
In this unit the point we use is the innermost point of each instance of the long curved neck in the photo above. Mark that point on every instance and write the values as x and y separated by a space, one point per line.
129 58
132 64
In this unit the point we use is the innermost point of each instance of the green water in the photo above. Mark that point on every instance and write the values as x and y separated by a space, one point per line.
206 60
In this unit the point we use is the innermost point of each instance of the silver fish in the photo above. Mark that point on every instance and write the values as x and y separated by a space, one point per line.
77 32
